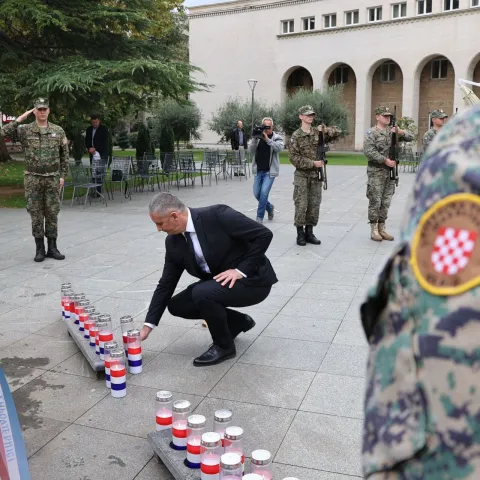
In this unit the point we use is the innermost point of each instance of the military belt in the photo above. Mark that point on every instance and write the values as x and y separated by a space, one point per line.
41 169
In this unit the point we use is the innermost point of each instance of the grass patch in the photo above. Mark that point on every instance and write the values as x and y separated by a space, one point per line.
11 174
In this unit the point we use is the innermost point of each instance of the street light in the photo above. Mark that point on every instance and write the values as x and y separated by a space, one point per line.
252 84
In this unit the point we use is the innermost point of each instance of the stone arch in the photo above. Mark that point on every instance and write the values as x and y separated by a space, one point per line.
295 78
386 79
435 83
474 73
343 74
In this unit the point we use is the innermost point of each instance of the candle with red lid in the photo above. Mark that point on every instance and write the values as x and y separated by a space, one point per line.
210 451
134 351
181 411
234 442
109 347
221 421
262 464
118 373
231 466
105 333
126 324
163 410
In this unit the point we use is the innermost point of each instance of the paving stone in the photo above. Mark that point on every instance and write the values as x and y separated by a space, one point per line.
340 456
345 360
154 471
26 319
82 452
322 309
334 293
40 431
283 471
333 277
162 336
351 333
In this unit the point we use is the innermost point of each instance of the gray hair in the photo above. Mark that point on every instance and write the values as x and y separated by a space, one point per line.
267 118
164 203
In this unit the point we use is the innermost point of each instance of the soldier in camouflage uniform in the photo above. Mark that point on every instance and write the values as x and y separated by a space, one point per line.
380 187
438 120
422 321
307 192
46 166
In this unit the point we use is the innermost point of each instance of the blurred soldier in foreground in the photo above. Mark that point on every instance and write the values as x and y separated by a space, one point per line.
438 120
46 166
380 186
307 191
422 406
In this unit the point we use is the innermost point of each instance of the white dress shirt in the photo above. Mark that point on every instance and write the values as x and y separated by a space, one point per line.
202 263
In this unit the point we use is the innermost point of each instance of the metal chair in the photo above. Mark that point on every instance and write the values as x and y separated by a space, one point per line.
145 172
169 170
234 163
212 163
186 167
83 178
119 174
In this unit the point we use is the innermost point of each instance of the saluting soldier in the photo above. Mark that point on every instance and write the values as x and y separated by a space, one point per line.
46 166
307 192
380 187
438 121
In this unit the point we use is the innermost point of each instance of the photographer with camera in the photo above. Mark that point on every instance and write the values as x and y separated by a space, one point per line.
265 148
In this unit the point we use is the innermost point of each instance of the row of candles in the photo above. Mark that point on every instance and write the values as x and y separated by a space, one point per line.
219 454
98 332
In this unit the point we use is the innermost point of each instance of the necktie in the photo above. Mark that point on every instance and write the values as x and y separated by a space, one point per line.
191 249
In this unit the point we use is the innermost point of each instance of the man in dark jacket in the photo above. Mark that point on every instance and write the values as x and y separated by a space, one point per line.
96 138
239 142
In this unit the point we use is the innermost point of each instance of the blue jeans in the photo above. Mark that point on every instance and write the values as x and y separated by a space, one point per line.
261 189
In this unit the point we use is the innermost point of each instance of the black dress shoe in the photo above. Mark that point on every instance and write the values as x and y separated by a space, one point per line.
248 325
214 355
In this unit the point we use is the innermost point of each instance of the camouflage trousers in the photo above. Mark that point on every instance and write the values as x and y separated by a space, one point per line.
380 190
43 204
307 197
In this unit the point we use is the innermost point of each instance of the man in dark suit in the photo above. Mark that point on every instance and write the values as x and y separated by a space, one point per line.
96 138
239 143
226 251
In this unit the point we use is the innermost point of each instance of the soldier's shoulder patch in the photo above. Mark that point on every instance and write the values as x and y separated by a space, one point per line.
445 254
369 132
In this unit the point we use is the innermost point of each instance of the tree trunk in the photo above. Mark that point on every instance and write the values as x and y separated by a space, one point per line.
4 155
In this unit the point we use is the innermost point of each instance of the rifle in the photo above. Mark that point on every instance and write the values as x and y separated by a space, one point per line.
322 149
393 153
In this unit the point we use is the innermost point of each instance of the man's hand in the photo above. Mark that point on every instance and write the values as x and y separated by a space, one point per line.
145 332
265 136
23 116
397 130
91 150
389 163
62 182
318 163
228 276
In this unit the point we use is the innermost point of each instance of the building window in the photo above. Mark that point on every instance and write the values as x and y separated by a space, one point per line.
399 10
330 21
387 72
351 18
439 69
308 23
340 74
375 14
287 26
451 5
475 3
424 7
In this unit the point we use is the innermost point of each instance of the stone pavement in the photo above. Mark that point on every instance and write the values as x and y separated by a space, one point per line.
296 385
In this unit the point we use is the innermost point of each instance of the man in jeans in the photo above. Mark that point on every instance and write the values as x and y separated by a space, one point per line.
265 166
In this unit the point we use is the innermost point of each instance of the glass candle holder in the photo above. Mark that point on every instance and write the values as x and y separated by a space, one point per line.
73 303
80 310
181 411
134 351
234 443
222 420
262 464
105 334
64 289
90 310
118 373
195 430
67 296
230 466
163 410
210 451
109 347
93 331
126 324
252 476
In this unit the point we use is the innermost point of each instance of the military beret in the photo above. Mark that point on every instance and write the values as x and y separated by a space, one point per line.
41 102
439 114
306 110
383 111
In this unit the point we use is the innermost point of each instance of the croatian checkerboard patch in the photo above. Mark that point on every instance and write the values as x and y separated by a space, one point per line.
446 246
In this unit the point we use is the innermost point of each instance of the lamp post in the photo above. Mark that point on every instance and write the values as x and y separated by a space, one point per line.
252 84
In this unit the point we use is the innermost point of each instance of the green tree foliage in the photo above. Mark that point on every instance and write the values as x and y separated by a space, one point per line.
178 120
123 140
144 144
326 103
408 124
78 147
225 119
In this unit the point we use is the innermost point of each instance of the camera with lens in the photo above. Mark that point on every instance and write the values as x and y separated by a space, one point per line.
258 130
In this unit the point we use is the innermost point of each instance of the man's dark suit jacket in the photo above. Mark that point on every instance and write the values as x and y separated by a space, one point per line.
228 239
100 140
235 140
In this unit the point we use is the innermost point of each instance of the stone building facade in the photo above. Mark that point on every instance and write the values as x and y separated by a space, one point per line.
409 54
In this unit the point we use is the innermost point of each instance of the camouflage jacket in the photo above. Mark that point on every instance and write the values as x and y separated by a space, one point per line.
428 138
377 145
303 149
422 322
44 148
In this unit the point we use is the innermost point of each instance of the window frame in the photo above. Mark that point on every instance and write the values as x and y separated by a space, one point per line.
476 4
391 70
289 21
308 19
343 69
376 9
399 5
440 60
425 7
352 13
451 3
329 16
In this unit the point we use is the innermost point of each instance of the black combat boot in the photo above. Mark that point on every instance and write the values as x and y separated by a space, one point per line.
310 237
40 254
53 250
301 237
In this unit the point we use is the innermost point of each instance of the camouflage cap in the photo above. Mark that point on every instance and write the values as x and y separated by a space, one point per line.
439 114
383 111
306 110
40 102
